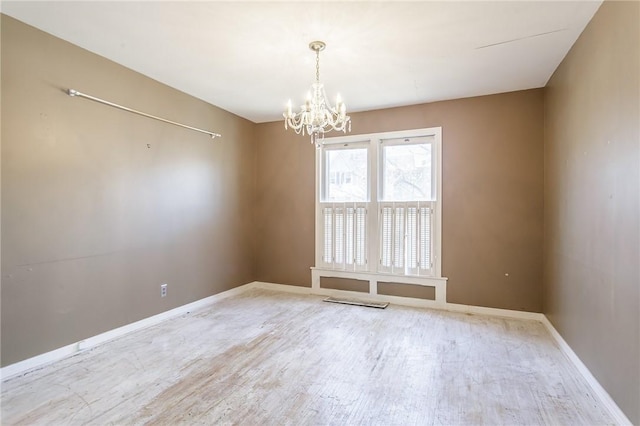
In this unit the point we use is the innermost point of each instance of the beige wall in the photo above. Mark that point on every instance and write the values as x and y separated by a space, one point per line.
492 196
93 220
592 201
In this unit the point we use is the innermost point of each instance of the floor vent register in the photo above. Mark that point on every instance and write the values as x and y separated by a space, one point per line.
379 305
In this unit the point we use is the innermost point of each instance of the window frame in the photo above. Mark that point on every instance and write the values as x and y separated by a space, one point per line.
322 183
374 142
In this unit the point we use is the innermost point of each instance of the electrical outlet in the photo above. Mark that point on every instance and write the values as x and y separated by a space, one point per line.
163 290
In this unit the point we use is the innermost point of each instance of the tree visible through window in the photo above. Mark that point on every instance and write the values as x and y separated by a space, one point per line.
406 171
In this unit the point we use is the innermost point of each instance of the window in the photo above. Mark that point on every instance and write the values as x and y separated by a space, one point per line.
406 170
345 174
378 203
343 205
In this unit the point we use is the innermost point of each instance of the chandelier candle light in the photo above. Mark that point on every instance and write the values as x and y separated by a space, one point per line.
317 116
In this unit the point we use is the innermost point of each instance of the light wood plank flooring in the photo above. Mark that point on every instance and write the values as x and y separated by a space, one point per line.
273 358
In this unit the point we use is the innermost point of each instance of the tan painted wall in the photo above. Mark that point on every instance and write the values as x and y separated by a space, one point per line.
592 201
93 221
492 201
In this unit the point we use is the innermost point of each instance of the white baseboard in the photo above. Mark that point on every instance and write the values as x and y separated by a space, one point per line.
280 287
41 360
494 312
38 361
398 300
600 392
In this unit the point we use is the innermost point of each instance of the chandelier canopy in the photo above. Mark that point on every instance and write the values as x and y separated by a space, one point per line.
317 116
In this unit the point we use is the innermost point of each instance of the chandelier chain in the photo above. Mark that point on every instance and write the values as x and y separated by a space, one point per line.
318 66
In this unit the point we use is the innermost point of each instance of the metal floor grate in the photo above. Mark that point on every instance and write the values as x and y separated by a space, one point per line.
379 305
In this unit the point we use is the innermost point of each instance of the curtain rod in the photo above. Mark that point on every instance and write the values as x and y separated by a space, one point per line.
72 92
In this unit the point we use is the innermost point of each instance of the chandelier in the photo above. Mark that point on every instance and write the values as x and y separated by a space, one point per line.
317 116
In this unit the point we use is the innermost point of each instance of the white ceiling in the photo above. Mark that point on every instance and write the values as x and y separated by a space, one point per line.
251 57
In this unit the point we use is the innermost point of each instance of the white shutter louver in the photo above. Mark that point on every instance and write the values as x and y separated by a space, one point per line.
349 236
339 235
412 240
398 238
361 236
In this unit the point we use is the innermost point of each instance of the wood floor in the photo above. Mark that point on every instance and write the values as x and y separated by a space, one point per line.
282 359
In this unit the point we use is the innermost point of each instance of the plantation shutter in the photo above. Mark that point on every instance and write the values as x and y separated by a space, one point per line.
360 237
344 236
405 238
339 236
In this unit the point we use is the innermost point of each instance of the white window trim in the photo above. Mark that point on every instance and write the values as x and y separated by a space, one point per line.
373 140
